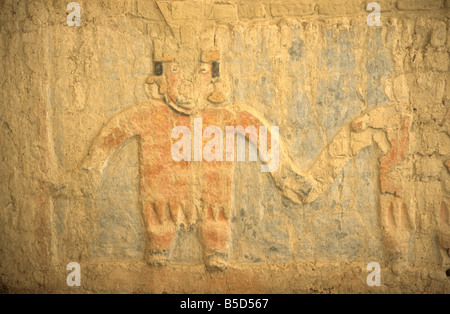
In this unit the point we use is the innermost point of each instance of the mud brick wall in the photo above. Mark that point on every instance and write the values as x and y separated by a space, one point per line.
363 116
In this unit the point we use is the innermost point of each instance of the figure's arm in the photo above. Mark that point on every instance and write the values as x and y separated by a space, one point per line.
291 181
346 144
376 127
86 177
306 185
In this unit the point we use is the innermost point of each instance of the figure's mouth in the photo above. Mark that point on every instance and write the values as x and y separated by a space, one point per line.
184 104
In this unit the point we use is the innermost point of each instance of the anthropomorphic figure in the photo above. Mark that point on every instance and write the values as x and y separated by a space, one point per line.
177 192
396 222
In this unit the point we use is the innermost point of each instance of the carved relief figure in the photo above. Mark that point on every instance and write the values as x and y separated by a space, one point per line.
396 223
178 192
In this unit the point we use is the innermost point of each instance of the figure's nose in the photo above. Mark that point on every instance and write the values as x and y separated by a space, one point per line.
188 80
188 76
186 88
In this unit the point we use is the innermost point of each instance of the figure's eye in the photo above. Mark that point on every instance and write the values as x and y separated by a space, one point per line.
174 68
204 68
215 68
158 68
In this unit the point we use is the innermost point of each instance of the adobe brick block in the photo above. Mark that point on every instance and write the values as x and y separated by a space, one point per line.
420 4
385 5
252 11
225 12
291 9
340 7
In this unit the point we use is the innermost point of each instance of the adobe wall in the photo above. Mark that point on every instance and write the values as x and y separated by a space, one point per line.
363 114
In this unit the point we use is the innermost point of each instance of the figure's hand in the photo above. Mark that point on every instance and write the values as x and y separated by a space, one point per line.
382 124
76 183
382 117
396 226
443 231
293 184
360 123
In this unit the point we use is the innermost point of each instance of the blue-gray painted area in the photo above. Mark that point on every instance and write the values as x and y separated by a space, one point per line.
259 232
263 91
301 123
297 50
186 247
378 65
241 88
252 78
120 228
60 208
304 137
337 102
342 225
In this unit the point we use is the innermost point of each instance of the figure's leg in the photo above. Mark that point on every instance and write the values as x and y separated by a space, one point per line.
214 226
164 188
161 228
215 235
397 227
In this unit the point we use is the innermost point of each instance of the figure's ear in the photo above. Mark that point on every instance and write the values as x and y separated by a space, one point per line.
217 97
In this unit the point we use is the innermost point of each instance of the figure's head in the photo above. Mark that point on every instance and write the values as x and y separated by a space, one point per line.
188 84
187 56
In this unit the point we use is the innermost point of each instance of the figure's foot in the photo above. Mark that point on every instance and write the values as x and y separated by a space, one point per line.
158 257
216 261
